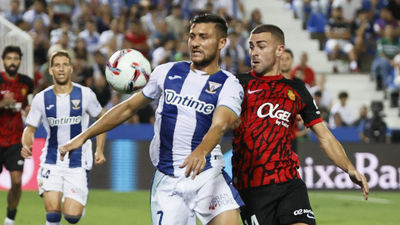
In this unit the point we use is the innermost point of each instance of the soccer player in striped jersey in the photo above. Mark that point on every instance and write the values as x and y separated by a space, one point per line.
64 109
198 103
264 165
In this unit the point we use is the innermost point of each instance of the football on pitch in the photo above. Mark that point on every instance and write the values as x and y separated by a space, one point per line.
127 71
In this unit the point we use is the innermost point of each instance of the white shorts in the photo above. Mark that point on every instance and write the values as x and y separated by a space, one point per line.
72 182
178 200
344 45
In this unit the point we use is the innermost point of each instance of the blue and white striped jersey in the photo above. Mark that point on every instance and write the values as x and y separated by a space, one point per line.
64 116
187 102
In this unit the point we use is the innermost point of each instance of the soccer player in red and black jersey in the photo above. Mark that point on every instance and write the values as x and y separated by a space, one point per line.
15 91
264 166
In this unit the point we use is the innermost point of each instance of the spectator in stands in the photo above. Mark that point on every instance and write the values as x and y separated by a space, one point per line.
255 19
61 10
13 14
65 27
349 7
134 13
40 41
341 113
164 53
117 7
362 117
63 44
287 63
38 11
386 18
374 129
394 7
136 38
80 51
338 34
111 40
236 54
83 72
161 35
102 90
307 72
79 19
103 18
91 36
322 108
150 19
176 24
233 8
362 33
302 9
387 48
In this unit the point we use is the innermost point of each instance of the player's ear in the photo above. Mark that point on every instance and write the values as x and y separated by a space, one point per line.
279 50
221 43
50 70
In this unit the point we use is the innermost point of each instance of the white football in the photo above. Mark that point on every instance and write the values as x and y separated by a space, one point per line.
127 71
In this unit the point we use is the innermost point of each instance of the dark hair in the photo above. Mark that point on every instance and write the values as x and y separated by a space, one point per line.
287 50
220 23
58 53
318 93
269 28
343 94
12 48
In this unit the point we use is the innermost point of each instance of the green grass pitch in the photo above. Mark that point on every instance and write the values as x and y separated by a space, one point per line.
113 208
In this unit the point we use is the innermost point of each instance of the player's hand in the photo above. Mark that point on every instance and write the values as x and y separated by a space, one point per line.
70 146
360 179
26 152
8 99
99 158
195 163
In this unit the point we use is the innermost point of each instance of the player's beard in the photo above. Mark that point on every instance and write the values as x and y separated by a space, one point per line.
206 60
12 69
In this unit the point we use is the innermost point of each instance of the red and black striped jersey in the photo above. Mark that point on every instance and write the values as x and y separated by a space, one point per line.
261 145
10 119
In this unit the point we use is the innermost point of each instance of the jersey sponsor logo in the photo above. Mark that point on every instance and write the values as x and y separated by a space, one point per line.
316 106
174 77
270 110
173 98
49 107
253 91
212 87
220 200
308 212
291 95
253 220
64 120
76 104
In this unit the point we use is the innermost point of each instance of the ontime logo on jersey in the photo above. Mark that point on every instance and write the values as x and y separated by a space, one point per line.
64 120
173 98
270 110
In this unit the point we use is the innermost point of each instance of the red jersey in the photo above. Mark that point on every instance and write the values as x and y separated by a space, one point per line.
10 119
261 145
309 75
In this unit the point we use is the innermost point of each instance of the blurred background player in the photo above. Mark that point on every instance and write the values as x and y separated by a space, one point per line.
15 95
198 103
64 109
264 166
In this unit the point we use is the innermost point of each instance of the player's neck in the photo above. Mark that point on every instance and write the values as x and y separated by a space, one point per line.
209 69
10 77
276 70
63 88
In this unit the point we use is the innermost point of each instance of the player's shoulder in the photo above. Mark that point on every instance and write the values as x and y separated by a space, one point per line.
244 78
167 66
25 79
298 85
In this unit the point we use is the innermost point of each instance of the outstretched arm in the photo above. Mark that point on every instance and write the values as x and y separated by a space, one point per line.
223 120
27 141
336 153
112 118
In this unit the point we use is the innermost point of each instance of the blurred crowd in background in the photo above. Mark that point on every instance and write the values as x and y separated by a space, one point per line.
92 30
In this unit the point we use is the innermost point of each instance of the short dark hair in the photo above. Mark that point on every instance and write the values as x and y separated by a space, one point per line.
12 48
287 50
269 28
343 94
220 23
58 53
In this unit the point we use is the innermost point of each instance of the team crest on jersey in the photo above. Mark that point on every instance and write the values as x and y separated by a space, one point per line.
291 95
212 87
23 91
76 104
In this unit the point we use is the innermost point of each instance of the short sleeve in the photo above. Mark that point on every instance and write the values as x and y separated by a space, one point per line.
310 113
153 88
35 113
94 107
231 95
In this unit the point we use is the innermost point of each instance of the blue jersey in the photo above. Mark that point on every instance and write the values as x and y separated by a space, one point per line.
187 101
64 116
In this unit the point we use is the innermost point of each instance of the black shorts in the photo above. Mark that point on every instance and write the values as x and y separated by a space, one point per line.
277 204
11 158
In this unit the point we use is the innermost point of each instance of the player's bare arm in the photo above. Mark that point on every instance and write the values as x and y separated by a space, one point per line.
336 153
100 140
112 118
223 120
27 141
